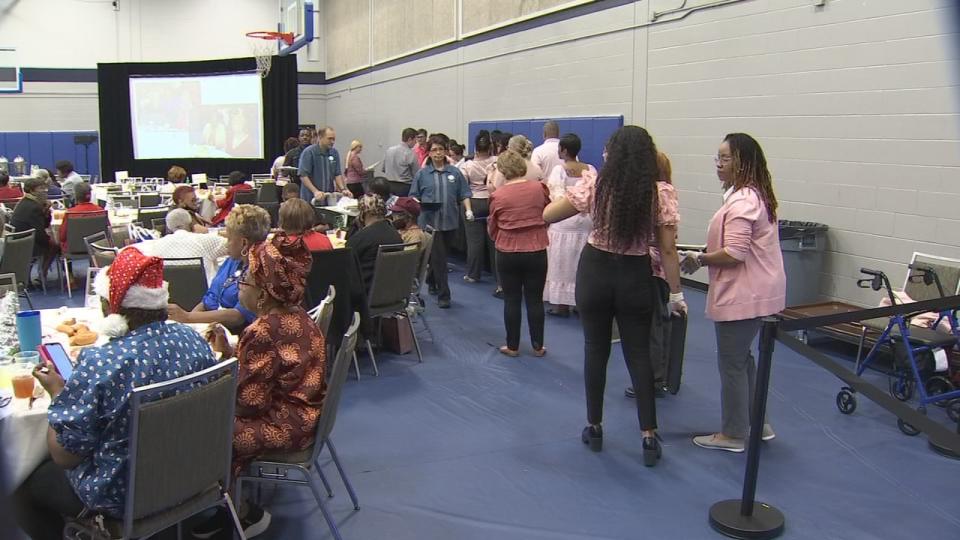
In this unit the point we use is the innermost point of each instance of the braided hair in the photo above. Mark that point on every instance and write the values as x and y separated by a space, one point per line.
625 204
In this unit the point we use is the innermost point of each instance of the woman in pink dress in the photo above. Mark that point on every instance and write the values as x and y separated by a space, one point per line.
567 237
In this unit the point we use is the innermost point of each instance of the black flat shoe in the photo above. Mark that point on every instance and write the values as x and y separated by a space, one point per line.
564 313
652 451
593 436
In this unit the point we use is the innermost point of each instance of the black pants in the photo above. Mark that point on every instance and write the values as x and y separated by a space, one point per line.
479 243
356 189
400 189
442 240
523 276
42 501
609 287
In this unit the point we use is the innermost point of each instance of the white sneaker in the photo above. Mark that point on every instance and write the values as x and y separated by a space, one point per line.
768 434
713 442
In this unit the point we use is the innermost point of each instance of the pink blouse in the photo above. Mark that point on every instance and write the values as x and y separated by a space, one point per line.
355 170
475 171
495 178
757 287
581 197
668 207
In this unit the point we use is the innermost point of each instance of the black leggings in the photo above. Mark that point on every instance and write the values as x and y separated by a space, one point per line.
609 287
42 501
523 276
479 243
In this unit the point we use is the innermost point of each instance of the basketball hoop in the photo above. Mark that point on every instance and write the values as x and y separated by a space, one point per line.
264 50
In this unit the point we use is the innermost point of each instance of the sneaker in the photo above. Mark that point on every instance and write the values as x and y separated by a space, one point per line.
443 304
469 279
768 434
712 442
256 521
213 525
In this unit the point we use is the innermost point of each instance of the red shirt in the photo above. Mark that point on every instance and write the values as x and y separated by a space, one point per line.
421 153
315 241
87 209
226 203
7 193
516 217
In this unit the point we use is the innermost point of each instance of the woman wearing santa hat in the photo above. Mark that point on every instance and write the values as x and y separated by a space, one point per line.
89 431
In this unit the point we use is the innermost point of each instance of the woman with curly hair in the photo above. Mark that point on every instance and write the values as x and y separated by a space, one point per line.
614 279
747 281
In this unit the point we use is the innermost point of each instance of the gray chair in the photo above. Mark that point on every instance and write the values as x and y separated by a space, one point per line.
160 225
272 208
91 275
245 197
18 258
99 249
147 215
148 200
125 201
81 226
183 426
120 235
8 283
415 309
267 192
187 281
323 313
393 278
277 468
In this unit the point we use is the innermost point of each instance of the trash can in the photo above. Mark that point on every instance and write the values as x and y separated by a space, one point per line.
802 244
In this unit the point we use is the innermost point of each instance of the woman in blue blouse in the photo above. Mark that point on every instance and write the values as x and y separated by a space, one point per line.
246 226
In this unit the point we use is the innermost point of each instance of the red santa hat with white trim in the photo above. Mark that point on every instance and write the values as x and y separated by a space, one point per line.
134 280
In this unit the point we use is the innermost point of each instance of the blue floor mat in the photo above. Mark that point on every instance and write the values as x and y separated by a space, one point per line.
471 444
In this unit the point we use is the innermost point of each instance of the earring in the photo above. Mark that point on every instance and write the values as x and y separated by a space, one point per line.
244 252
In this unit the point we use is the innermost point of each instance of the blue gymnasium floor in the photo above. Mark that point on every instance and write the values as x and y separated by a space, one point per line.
471 444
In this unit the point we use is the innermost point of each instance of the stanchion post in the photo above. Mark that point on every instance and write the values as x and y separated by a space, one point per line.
744 518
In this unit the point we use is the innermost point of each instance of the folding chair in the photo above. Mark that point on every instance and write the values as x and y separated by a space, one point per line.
181 443
147 215
267 192
18 259
99 249
417 303
148 200
187 281
245 197
393 277
323 313
81 226
277 468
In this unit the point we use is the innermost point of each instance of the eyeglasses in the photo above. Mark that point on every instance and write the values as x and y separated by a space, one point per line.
722 159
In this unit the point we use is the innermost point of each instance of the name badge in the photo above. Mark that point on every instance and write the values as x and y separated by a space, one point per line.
450 178
330 158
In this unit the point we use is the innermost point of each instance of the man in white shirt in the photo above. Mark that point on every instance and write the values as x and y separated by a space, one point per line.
68 180
547 155
182 242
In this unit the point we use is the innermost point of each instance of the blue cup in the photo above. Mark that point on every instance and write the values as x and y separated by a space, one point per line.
28 330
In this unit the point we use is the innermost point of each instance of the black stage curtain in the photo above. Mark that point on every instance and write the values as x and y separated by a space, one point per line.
280 115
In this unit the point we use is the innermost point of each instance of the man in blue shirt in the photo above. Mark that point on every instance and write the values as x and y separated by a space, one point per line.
320 170
89 430
441 188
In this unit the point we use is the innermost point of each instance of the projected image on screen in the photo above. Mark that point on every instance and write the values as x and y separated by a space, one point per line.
211 116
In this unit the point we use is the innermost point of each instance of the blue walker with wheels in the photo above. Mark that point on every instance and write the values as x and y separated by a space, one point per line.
909 344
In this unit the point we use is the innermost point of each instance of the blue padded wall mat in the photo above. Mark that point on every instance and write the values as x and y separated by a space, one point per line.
45 148
592 130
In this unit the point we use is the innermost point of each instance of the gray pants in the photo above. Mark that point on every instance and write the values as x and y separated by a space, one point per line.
738 373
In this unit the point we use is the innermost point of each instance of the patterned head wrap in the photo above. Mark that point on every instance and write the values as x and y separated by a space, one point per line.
280 266
372 206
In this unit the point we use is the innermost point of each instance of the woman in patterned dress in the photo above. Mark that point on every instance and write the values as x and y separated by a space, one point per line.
281 358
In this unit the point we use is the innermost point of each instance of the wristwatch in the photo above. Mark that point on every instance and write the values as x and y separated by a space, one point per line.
700 259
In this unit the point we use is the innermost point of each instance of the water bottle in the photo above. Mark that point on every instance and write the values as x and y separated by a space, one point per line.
19 166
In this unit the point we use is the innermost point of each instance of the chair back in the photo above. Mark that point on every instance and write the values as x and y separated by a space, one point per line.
160 225
100 251
8 283
393 275
187 280
125 201
323 313
91 276
81 226
120 235
149 200
947 271
272 208
337 267
181 441
18 254
245 197
267 192
147 215
338 375
424 265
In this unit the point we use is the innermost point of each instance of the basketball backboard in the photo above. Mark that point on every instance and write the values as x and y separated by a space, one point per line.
296 16
11 78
